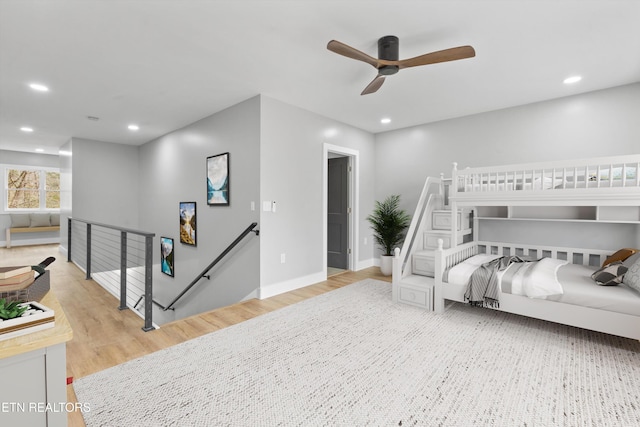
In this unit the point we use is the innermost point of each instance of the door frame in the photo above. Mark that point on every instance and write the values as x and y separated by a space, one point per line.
353 198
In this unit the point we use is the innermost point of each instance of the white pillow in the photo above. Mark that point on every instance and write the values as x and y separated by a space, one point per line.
542 280
546 183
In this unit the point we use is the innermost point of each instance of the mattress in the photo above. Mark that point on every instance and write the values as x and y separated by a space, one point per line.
577 286
580 289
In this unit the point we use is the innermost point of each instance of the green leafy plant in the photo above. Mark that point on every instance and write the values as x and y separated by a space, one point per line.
388 223
11 310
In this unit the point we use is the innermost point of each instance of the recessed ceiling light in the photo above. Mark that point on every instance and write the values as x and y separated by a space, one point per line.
26 129
39 150
64 153
331 132
385 120
572 79
39 87
133 127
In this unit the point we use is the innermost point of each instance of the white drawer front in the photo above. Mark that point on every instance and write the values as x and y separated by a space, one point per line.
416 297
431 240
423 265
442 220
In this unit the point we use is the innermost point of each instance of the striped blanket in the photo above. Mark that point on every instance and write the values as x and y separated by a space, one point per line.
482 290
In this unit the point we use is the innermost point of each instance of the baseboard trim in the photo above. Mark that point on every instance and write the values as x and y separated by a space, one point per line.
30 242
371 262
291 285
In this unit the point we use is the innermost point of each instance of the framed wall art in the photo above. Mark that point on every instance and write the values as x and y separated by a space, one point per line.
218 180
188 223
166 256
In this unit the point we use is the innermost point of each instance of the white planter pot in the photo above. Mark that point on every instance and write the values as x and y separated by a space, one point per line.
386 264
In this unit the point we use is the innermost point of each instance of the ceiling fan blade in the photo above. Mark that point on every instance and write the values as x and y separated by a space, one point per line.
350 52
452 54
374 85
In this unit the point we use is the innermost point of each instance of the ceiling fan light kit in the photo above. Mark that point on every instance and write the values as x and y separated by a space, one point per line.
388 62
389 50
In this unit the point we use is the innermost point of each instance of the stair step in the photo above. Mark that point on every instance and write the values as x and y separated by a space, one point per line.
423 263
418 281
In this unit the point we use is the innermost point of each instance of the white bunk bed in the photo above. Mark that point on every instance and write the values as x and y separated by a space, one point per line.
593 190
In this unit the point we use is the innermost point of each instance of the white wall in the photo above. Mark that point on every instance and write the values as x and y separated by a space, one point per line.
291 164
602 123
173 170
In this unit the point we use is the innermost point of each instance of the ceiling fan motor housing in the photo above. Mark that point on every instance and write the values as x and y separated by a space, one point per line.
388 49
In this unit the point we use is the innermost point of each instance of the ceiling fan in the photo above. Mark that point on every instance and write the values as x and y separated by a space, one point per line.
387 62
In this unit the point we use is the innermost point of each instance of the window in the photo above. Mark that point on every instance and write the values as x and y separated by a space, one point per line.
32 189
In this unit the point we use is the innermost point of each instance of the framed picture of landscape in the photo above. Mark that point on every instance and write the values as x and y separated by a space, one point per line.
166 256
218 180
188 223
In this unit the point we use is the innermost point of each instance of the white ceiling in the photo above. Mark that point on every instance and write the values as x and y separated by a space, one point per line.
164 64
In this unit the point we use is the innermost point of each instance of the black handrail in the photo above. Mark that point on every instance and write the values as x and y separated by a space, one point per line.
210 266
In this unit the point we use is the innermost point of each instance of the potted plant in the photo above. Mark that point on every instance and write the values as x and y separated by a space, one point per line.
11 310
388 223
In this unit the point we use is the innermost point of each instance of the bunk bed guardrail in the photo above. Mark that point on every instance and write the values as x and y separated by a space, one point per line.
620 172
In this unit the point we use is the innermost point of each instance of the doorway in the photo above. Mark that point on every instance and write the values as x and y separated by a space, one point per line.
340 209
337 214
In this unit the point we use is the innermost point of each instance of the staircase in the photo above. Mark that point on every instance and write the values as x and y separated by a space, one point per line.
413 268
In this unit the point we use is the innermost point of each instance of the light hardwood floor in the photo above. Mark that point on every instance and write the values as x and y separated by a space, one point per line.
104 336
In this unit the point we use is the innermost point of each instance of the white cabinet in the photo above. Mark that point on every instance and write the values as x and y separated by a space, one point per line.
35 388
33 369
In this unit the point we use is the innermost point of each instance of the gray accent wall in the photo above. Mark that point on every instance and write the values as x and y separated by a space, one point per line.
595 124
291 163
66 192
104 182
173 170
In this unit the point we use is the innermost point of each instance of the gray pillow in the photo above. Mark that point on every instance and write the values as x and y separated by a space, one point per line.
20 220
631 260
55 219
39 220
632 276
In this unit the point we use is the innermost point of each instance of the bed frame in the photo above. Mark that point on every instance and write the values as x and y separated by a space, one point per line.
624 325
583 182
602 183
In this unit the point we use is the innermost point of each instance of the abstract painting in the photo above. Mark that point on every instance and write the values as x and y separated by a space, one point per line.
188 223
166 255
218 180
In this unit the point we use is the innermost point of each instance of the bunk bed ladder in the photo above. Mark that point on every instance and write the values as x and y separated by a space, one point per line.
408 287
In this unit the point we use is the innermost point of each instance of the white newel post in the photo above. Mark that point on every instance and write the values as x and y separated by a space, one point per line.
438 301
396 275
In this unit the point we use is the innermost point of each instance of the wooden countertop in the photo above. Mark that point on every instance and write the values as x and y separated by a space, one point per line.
60 333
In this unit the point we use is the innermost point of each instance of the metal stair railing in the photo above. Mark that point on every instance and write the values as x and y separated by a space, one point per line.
204 272
108 251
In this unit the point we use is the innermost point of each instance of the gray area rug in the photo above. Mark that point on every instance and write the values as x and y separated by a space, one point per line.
351 357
